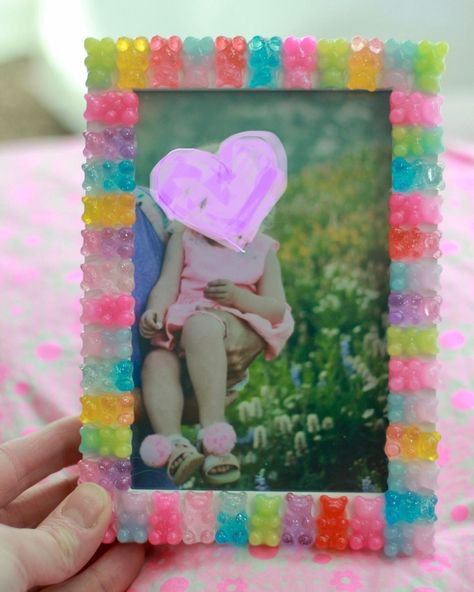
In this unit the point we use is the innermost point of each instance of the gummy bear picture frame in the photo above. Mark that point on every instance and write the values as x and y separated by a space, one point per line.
400 521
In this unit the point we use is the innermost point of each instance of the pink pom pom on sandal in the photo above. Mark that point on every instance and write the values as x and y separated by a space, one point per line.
180 456
220 466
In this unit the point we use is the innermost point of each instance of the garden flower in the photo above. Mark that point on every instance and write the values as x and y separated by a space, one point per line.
295 372
328 423
295 419
245 411
312 423
283 424
256 407
289 458
260 437
260 481
265 390
250 458
300 443
368 413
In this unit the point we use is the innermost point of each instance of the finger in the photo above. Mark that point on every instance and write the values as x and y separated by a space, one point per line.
33 505
27 460
218 282
114 571
62 544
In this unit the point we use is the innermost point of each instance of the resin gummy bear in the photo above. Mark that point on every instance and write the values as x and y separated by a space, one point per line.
232 518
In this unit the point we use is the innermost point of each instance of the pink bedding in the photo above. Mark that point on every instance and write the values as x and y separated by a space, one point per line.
40 240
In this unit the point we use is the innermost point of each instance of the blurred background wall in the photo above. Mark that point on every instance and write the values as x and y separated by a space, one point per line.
41 45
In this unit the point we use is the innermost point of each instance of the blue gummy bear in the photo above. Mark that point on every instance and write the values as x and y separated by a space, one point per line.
264 61
99 376
398 539
396 407
409 507
416 174
398 55
232 528
197 48
130 533
396 476
398 277
107 175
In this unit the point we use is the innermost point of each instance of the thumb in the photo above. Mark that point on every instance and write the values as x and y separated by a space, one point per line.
64 542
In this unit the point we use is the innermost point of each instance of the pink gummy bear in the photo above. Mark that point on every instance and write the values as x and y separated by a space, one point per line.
165 61
412 374
230 61
299 62
109 311
110 276
413 209
198 517
112 108
165 520
415 109
367 524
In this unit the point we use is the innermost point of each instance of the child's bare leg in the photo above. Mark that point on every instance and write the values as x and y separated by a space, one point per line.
203 341
162 393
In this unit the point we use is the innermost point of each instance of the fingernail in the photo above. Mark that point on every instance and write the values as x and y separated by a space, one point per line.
85 505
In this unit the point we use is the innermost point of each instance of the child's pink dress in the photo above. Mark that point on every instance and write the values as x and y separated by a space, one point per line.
204 262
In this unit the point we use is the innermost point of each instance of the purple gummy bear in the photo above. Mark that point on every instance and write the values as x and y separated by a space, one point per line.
413 309
108 242
298 522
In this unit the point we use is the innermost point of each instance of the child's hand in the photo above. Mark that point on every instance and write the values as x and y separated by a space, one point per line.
150 323
222 291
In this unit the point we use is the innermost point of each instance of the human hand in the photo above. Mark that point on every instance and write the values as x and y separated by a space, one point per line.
49 531
222 291
150 323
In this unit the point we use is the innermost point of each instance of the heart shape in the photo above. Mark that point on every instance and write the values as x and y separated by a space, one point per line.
224 196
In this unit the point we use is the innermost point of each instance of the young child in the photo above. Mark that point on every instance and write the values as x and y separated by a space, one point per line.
206 291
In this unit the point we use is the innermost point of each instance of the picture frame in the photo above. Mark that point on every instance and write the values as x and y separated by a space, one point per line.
397 522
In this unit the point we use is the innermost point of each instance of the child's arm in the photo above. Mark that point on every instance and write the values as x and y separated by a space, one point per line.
269 303
166 289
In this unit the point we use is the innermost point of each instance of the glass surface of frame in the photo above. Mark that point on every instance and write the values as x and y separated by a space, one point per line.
304 389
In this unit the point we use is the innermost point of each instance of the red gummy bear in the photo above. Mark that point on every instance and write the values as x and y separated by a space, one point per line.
412 243
230 61
332 523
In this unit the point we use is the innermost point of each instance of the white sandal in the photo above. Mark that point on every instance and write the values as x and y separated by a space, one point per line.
157 450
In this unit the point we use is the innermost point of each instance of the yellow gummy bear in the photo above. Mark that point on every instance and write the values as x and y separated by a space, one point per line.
111 209
132 62
107 410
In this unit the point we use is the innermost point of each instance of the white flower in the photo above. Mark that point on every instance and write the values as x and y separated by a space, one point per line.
295 419
327 423
245 411
257 407
312 423
300 443
368 413
250 458
260 437
283 424
265 390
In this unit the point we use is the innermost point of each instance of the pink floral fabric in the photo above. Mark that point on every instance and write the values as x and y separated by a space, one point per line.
40 242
